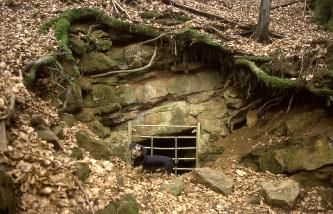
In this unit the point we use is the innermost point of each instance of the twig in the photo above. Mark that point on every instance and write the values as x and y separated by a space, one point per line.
129 71
286 4
121 8
208 15
289 104
85 194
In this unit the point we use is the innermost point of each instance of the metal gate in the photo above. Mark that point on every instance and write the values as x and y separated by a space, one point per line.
173 146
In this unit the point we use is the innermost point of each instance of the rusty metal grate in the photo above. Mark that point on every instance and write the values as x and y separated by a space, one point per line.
174 145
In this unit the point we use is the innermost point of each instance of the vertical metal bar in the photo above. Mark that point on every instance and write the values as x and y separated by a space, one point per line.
197 145
176 154
151 145
129 132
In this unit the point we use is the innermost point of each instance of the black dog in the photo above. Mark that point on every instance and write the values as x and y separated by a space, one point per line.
140 158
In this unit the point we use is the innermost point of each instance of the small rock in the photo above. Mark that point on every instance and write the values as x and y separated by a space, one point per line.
253 200
47 191
281 193
240 172
120 179
217 181
82 170
108 166
175 187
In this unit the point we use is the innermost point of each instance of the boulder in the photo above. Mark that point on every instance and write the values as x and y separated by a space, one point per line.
82 170
7 196
217 181
302 154
97 150
280 193
175 186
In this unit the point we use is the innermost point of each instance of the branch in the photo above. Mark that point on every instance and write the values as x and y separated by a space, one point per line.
85 195
129 71
286 4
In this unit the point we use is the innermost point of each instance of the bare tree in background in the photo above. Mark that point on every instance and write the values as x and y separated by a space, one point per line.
261 32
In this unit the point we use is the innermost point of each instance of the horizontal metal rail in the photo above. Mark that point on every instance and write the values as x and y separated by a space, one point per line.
184 158
170 148
164 137
183 168
175 126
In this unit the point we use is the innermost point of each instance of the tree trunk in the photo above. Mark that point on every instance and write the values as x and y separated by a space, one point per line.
261 32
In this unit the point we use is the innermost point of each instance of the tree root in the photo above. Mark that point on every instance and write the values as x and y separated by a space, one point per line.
130 71
34 67
279 82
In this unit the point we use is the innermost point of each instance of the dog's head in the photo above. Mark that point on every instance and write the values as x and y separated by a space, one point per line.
137 150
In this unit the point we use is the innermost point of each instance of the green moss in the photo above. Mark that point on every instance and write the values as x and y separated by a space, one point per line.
324 13
78 45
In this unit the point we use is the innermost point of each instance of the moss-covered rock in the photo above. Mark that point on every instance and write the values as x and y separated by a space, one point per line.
86 115
127 205
100 95
97 150
98 128
109 209
69 119
74 100
96 62
82 170
77 45
7 196
149 14
76 153
175 187
101 40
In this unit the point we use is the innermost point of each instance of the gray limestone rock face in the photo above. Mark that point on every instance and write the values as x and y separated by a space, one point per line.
217 181
281 193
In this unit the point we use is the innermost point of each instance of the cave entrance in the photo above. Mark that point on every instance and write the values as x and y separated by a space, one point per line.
181 143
